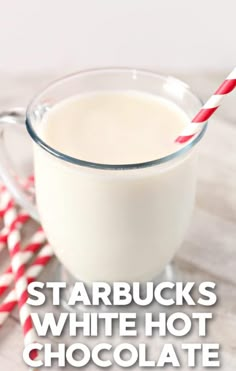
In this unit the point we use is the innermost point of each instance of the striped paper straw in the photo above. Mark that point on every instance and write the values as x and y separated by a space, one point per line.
32 272
21 283
6 203
3 238
208 109
34 245
21 219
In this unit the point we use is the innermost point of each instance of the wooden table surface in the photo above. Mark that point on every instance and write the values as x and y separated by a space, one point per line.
209 250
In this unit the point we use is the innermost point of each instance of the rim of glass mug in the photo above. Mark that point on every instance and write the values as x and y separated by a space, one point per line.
180 149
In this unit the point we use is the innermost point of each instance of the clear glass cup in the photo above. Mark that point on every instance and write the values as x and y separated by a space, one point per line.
105 222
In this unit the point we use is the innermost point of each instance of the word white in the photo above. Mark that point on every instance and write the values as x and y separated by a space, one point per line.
124 293
104 355
92 324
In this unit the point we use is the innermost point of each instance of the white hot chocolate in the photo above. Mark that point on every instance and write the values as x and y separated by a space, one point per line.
111 225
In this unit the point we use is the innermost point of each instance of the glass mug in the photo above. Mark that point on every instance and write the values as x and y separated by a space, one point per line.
107 222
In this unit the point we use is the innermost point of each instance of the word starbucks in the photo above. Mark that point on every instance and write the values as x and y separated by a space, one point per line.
122 324
124 293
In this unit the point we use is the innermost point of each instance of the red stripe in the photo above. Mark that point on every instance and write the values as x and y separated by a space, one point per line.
3 238
33 247
33 354
15 249
226 87
20 272
9 205
20 219
23 298
8 307
42 260
8 270
30 181
184 139
27 325
204 114
3 289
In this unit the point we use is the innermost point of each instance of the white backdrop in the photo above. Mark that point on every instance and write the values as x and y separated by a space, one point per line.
71 34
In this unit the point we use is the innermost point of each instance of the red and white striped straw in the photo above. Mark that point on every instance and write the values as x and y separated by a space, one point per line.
21 282
208 109
3 238
34 245
32 272
6 203
21 219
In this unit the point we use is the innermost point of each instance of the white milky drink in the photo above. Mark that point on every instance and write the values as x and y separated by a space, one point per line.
109 224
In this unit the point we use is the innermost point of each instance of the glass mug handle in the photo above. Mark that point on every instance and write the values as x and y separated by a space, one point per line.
13 119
